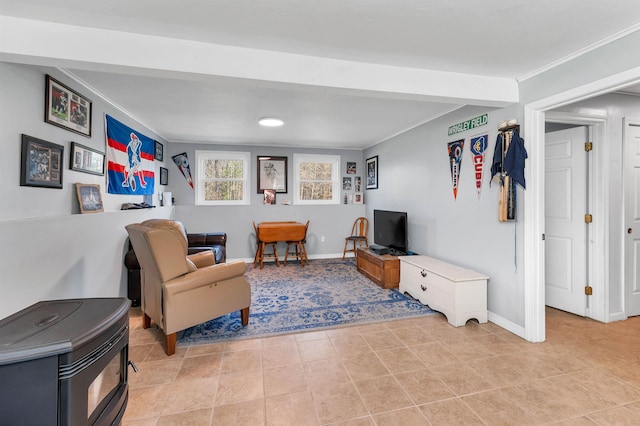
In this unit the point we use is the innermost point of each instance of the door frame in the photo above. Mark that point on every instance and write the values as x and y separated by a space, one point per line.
534 118
598 259
626 122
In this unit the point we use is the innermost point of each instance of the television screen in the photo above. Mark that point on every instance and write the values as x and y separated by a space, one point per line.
390 229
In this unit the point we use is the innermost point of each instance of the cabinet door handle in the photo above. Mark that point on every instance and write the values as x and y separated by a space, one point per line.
423 273
423 287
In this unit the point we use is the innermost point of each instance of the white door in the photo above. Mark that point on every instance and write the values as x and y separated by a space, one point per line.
632 216
566 187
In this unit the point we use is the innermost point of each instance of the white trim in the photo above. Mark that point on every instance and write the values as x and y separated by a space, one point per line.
534 113
506 324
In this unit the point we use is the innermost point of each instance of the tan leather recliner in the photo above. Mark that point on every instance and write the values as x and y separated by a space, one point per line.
179 290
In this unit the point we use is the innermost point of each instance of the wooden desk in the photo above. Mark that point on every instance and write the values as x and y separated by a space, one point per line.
274 232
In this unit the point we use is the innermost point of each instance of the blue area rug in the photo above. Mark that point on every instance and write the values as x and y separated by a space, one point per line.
324 294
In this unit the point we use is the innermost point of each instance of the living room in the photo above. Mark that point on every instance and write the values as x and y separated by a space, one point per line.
82 255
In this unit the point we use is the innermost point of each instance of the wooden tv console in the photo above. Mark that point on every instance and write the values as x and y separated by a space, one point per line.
383 269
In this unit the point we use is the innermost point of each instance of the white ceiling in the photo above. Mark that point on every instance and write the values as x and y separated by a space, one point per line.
341 73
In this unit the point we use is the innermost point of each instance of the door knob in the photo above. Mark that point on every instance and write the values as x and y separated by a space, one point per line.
629 231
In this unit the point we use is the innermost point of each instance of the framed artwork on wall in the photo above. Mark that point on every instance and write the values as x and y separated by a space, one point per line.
164 176
66 108
85 159
372 172
41 163
272 173
159 153
89 198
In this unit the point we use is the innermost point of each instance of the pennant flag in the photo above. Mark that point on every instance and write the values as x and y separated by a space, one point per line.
455 161
130 168
182 161
478 147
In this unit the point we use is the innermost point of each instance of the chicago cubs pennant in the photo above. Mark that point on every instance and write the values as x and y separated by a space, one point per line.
455 161
130 168
478 147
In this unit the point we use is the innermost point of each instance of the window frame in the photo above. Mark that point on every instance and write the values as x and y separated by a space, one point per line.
335 177
205 155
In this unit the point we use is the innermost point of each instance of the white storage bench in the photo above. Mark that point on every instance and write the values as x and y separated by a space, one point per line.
459 293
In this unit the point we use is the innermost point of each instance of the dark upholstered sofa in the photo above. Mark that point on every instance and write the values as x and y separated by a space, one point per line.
214 241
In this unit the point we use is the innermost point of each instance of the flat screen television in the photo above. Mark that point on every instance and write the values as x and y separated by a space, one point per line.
390 229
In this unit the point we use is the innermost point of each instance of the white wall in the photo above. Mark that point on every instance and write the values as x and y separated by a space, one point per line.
47 249
414 176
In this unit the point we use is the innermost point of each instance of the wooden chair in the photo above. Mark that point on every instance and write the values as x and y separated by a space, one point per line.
359 235
299 249
260 245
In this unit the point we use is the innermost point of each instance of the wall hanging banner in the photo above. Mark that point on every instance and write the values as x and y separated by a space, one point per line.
478 147
130 168
182 161
481 120
455 161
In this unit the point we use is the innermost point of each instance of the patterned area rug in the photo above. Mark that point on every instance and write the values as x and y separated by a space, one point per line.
324 294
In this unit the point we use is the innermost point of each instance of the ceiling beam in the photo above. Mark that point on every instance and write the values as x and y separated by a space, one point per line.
84 48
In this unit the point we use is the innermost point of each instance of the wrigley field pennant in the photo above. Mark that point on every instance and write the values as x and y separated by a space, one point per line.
478 146
455 161
130 155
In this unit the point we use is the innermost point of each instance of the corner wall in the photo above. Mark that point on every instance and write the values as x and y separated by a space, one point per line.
47 249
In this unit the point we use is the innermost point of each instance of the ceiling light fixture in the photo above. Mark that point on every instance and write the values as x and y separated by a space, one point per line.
270 122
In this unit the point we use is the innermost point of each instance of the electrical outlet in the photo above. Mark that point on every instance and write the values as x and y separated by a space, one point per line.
322 239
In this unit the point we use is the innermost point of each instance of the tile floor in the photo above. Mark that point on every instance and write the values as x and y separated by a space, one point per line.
407 372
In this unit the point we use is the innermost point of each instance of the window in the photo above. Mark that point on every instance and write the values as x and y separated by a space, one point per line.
222 178
316 179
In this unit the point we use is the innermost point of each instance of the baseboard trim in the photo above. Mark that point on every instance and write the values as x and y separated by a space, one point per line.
507 325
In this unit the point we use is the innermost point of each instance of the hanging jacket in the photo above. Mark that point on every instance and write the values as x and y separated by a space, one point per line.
496 165
513 163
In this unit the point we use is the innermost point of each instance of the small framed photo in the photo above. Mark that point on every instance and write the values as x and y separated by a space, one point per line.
269 196
372 173
346 183
41 163
358 198
85 159
159 152
89 198
351 167
357 184
164 176
272 174
67 108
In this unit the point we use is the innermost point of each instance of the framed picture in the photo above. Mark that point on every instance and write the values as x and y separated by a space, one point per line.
89 198
372 173
351 167
85 159
269 196
164 176
159 153
346 183
41 163
67 108
272 174
357 184
358 198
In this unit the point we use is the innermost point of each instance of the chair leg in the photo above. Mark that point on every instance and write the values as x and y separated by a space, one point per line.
171 344
146 321
256 258
244 314
261 254
275 254
344 252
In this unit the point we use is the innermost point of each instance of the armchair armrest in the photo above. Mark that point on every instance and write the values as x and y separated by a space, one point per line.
204 276
202 258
